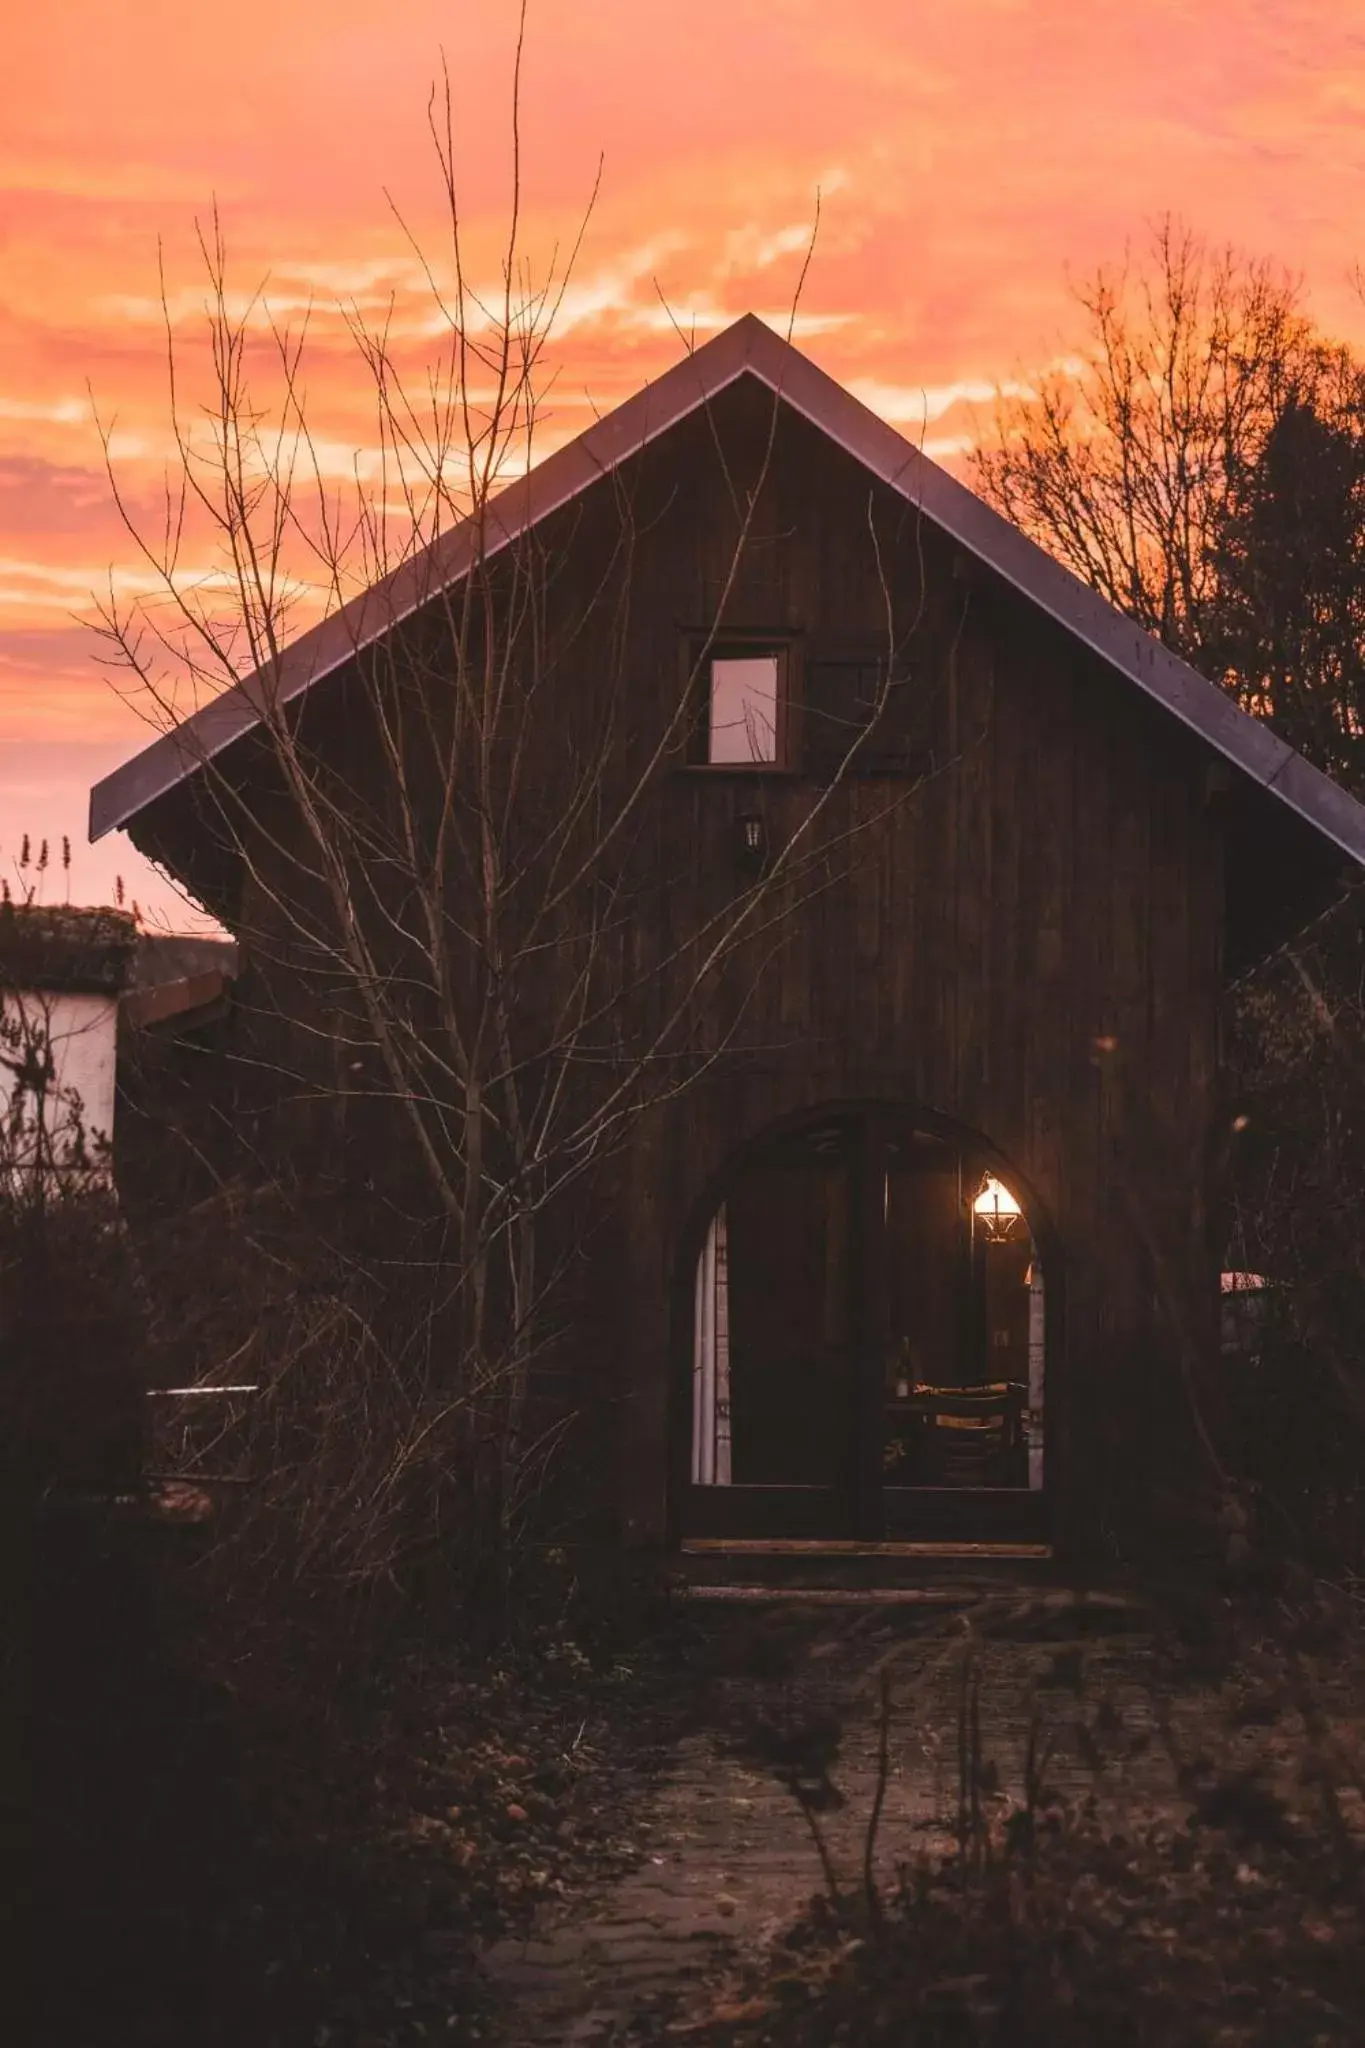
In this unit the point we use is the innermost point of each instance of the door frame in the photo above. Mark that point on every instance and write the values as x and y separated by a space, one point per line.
856 1505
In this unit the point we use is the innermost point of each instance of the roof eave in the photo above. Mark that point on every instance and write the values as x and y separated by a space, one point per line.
317 653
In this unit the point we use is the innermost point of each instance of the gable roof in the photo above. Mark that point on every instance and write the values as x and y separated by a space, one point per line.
749 347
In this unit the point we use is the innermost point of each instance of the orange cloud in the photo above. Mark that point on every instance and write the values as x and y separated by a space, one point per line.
966 158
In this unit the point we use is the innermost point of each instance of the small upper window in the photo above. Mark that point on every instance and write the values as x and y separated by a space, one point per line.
742 712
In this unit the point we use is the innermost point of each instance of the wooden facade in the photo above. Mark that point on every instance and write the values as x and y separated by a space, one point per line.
1011 936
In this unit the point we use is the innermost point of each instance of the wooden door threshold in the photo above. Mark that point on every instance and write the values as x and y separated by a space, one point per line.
839 1547
830 1596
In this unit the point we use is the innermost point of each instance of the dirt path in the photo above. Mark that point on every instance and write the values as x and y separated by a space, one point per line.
727 1856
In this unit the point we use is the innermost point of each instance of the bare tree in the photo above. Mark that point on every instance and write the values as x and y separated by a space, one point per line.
459 887
1122 462
1201 463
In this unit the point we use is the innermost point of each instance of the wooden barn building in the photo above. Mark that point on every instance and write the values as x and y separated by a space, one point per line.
924 1247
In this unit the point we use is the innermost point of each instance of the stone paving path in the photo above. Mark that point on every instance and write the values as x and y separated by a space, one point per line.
728 1860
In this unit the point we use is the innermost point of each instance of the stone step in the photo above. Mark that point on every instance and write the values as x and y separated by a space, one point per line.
930 1574
830 1596
1009 1606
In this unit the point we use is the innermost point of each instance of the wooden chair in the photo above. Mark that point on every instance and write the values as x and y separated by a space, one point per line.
970 1436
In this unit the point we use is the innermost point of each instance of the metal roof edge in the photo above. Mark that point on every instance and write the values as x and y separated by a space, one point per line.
1200 704
319 651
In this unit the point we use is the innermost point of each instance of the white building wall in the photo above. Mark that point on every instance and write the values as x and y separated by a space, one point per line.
81 1032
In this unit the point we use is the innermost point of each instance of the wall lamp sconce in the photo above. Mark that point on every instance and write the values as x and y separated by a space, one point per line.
751 842
996 1211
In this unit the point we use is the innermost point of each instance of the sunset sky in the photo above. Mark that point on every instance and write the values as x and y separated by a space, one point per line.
968 156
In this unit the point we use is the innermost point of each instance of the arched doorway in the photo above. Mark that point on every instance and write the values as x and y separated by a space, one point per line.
868 1340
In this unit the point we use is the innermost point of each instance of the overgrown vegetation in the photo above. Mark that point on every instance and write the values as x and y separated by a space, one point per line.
1230 1913
250 1796
254 1786
1296 1406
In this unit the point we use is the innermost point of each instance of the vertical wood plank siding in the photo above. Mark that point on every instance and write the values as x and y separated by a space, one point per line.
1054 881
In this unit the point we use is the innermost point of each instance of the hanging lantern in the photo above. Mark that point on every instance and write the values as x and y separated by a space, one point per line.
997 1214
751 842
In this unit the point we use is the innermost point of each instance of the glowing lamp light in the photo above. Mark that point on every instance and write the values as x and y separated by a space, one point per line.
996 1210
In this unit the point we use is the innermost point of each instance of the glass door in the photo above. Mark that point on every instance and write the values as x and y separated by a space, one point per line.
772 1408
961 1383
867 1349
